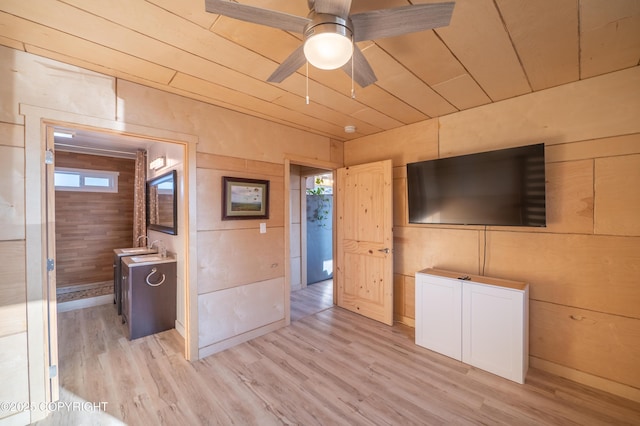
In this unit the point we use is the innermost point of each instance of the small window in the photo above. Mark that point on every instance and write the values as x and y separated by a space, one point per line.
85 180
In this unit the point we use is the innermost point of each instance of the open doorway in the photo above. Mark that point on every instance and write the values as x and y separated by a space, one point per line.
312 218
87 227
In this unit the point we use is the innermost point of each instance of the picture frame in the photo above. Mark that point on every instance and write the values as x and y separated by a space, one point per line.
244 198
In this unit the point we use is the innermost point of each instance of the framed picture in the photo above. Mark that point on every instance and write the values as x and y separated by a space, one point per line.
244 198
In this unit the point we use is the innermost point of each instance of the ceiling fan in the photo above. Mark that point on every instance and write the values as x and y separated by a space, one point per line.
330 32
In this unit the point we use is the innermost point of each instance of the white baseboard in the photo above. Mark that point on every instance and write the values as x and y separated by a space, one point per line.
88 302
180 328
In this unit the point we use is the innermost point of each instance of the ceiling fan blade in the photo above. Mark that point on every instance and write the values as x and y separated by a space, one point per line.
363 73
257 15
289 66
333 7
400 20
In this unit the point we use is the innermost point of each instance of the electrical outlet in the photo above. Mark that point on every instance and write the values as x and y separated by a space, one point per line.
263 228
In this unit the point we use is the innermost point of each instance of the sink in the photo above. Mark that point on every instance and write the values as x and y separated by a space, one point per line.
134 250
147 258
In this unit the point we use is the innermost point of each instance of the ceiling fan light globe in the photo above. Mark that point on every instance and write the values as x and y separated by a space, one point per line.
328 50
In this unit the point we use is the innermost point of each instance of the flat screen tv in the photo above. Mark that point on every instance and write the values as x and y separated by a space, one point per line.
504 187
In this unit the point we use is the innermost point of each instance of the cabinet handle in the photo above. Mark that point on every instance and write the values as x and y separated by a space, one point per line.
384 250
153 271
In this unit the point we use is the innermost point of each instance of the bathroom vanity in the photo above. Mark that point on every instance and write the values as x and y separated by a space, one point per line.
148 294
118 255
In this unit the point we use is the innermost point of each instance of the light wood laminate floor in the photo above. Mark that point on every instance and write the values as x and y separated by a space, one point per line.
311 299
330 368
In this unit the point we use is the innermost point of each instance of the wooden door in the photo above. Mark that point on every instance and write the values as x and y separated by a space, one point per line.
364 240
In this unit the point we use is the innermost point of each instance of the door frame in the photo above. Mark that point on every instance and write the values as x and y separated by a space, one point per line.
289 160
38 123
303 220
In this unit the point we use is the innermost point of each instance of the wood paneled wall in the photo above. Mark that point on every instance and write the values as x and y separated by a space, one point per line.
583 268
240 270
89 225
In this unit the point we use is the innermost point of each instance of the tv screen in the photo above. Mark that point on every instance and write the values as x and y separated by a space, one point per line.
504 187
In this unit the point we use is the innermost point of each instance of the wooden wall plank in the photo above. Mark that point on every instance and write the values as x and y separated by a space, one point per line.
585 110
476 24
595 148
234 311
14 373
617 201
225 132
569 197
39 82
336 152
407 144
548 47
398 297
234 258
605 345
416 248
591 272
89 225
12 187
399 200
13 291
213 161
217 93
240 165
11 135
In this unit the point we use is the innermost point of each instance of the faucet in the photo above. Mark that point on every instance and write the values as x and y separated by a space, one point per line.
142 236
161 248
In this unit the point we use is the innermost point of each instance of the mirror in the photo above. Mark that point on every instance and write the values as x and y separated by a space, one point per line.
162 212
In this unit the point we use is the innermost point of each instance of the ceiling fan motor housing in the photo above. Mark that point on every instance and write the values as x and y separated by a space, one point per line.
328 40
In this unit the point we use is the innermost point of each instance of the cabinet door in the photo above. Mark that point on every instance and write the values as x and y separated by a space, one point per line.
438 314
493 329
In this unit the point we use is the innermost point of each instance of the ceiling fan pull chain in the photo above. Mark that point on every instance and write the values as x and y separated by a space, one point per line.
307 82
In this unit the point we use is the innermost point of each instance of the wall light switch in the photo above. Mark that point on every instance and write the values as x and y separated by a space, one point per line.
263 228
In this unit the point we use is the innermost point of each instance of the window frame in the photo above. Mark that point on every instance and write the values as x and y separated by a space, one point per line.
112 176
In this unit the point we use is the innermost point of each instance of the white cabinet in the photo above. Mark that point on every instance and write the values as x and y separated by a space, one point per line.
438 302
478 320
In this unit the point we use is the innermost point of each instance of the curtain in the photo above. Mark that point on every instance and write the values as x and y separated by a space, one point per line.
139 201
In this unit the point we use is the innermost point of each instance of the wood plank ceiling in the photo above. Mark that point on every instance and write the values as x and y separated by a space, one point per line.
492 50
